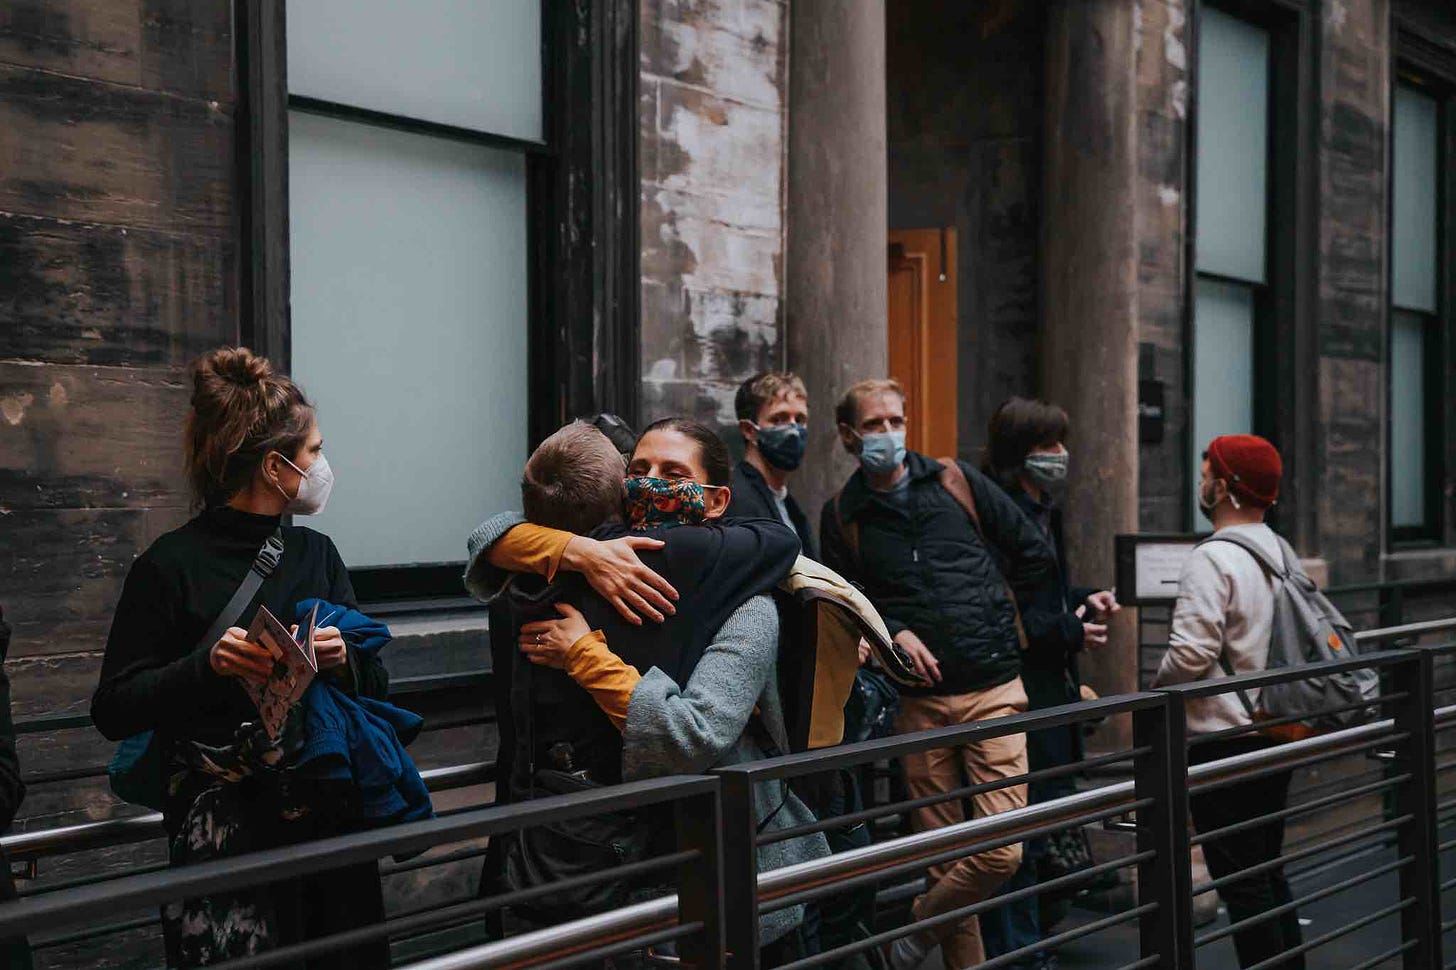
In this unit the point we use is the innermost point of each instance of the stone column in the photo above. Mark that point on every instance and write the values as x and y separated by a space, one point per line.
1089 295
837 220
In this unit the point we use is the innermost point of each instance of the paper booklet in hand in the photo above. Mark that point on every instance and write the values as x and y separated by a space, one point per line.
294 667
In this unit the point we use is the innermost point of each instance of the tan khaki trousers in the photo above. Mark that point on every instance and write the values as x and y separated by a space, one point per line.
973 878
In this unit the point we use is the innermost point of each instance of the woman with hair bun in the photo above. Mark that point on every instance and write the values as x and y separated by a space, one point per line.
253 454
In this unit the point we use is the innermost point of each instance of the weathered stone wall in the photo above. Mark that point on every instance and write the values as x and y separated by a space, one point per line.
712 165
964 93
1162 93
117 265
1354 84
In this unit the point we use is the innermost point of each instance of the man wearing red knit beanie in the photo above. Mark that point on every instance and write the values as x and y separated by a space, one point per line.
1221 626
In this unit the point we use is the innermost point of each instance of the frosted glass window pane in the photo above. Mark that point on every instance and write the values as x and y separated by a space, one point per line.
409 331
1233 146
1407 419
1223 366
471 63
1413 220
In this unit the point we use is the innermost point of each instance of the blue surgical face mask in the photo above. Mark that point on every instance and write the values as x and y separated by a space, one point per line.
882 452
782 445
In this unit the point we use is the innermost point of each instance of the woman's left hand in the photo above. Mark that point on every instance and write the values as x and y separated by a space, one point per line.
547 642
329 647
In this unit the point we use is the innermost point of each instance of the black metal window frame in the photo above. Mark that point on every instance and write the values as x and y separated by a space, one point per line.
1422 65
1284 327
582 201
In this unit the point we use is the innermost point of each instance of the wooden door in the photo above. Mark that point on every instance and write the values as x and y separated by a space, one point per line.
922 328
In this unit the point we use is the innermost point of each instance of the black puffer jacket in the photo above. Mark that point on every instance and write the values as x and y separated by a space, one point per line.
926 570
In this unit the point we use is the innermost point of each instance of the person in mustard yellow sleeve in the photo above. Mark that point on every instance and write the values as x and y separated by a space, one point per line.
678 671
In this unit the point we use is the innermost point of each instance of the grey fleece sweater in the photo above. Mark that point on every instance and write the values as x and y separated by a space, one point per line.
689 729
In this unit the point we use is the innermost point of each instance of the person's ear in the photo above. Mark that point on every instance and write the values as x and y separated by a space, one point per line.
848 439
748 431
716 501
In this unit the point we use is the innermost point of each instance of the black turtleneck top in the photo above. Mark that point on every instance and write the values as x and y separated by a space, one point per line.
155 676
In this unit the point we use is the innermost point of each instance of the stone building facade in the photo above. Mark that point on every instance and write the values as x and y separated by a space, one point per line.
710 192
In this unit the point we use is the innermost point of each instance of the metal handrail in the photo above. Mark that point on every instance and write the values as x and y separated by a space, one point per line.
833 869
24 846
1405 630
806 878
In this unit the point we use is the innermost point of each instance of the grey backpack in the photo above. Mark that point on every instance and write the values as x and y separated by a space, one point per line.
1307 630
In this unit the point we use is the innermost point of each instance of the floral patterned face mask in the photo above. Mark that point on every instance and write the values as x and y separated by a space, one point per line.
653 502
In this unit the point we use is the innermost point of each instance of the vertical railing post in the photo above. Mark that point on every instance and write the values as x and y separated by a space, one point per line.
1161 775
1417 840
700 882
740 869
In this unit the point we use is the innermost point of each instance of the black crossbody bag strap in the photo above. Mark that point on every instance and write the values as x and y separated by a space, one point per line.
263 565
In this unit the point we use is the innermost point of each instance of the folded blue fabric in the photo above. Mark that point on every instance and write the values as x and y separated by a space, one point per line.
359 738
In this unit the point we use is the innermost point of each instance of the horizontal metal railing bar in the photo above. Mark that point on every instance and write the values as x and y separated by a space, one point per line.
627 870
430 861
1281 765
287 862
422 920
1294 811
528 949
862 752
1151 961
1390 954
897 808
1069 936
1419 628
1283 675
1334 934
1275 912
962 912
614 949
1263 725
1302 854
140 828
909 867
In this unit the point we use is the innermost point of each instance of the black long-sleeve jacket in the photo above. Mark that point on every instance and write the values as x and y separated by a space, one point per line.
155 676
926 570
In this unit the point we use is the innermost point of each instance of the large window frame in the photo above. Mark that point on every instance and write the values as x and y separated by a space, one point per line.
1284 325
1419 64
583 200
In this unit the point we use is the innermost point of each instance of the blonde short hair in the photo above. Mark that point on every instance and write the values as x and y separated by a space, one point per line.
761 389
847 410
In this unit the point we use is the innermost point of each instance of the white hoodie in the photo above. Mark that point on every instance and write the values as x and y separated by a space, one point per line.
1225 607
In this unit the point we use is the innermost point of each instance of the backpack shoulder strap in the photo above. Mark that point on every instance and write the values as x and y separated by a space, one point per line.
1275 569
954 481
848 531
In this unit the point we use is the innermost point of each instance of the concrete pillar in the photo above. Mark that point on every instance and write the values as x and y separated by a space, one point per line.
836 215
1089 294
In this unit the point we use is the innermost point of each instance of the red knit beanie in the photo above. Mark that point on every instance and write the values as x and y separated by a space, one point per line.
1249 464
